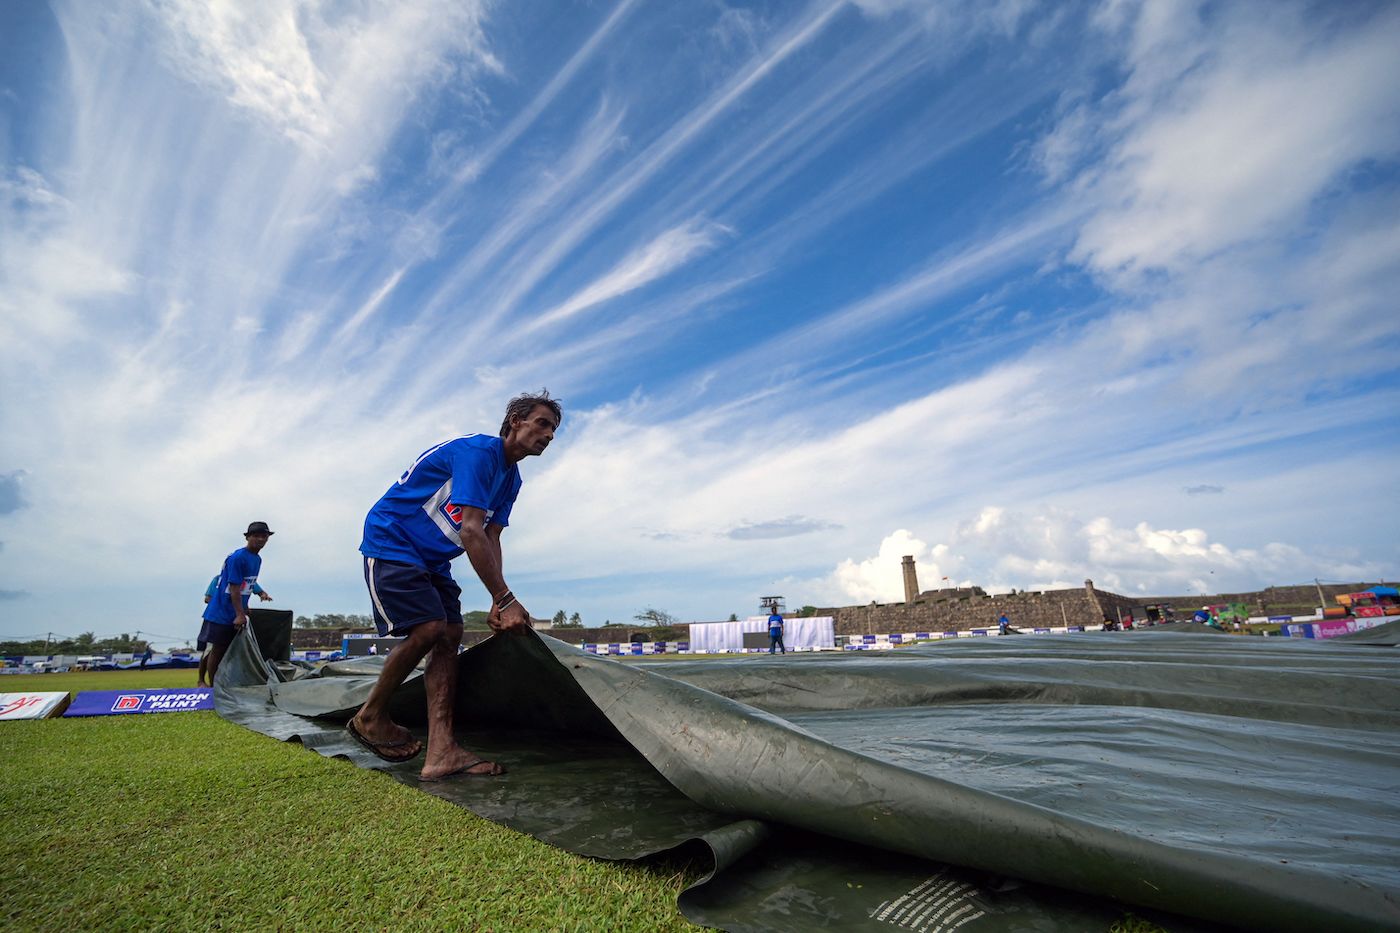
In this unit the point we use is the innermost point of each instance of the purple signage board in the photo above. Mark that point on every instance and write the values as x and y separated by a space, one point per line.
124 702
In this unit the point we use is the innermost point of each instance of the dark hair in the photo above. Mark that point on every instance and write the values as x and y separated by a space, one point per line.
522 405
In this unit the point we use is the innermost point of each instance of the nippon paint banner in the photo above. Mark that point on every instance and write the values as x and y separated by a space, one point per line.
32 705
123 702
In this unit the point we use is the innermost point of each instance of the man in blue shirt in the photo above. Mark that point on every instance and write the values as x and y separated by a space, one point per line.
455 498
227 612
775 632
202 646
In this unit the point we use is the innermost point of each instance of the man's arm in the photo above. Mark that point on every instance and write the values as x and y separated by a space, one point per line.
493 535
483 547
262 594
235 595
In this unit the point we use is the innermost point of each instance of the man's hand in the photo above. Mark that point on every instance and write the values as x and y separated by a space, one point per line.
240 621
265 596
513 618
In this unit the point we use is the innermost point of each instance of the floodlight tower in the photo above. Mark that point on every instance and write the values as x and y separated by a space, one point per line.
773 604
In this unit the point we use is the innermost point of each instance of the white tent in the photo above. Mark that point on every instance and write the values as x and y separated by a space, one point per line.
815 632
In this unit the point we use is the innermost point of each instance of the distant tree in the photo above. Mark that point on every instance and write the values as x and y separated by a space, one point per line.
560 618
806 612
575 621
733 617
475 621
652 616
333 620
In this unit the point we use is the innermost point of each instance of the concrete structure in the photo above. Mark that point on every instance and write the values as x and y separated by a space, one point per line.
964 608
911 579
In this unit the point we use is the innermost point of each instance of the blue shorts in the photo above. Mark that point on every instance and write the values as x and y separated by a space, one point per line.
405 595
216 633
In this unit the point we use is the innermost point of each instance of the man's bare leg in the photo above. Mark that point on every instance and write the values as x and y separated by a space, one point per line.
216 654
372 721
205 678
445 756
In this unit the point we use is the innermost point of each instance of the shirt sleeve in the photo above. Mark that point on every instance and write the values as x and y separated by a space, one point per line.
212 588
473 476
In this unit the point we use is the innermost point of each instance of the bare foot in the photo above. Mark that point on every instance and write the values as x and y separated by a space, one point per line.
457 760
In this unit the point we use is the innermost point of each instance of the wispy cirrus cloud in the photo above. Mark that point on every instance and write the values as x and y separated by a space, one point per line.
805 277
670 250
1213 149
790 527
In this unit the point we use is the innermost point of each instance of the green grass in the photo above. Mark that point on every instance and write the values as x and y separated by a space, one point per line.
184 821
98 680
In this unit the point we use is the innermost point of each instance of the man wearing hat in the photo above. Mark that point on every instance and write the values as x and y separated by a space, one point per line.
227 612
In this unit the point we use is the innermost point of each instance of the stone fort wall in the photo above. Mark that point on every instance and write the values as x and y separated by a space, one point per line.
935 612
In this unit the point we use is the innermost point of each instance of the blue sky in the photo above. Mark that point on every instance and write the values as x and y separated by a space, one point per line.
1033 292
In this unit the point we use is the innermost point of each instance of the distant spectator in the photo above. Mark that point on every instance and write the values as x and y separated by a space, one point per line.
1003 625
775 632
145 656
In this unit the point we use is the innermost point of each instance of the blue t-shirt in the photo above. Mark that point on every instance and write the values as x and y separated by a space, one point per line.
419 520
241 567
775 625
214 587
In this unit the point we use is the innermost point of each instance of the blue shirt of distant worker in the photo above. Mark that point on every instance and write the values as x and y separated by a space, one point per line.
775 633
240 568
1003 625
214 588
1201 616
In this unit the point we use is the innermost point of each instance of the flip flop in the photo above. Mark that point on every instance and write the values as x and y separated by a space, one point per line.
382 749
496 770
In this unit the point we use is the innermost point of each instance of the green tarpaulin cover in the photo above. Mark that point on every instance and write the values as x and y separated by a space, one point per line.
1035 783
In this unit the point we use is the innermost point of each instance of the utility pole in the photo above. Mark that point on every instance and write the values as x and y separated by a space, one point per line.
1321 600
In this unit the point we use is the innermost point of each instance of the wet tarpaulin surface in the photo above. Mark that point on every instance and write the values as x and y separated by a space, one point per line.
1035 783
